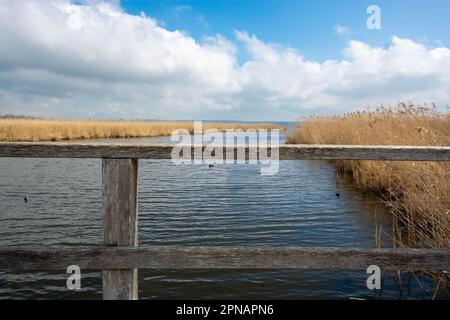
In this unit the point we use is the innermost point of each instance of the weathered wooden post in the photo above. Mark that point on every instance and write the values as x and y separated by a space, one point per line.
119 183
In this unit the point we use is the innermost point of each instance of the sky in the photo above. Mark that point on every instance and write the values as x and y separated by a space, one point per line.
264 60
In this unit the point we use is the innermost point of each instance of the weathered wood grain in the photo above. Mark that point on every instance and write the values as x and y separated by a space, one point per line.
164 151
120 223
162 257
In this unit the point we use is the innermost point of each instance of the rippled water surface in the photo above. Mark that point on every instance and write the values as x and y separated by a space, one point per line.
226 205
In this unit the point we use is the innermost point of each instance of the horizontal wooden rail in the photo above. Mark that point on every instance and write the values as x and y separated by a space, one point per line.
164 151
172 257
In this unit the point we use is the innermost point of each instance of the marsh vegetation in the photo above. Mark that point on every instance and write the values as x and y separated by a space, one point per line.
21 129
418 193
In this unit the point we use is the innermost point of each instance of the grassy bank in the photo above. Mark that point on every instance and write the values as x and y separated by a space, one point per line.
417 192
53 130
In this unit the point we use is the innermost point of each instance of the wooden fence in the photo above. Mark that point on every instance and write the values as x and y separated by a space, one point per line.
120 257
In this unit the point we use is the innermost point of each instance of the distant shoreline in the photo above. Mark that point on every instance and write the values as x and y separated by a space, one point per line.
29 117
22 128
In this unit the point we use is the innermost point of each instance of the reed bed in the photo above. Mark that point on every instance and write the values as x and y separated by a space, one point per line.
54 130
418 193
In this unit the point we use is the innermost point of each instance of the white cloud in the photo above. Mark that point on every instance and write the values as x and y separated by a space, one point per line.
342 30
94 60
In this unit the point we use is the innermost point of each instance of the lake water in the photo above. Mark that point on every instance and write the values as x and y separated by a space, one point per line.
226 205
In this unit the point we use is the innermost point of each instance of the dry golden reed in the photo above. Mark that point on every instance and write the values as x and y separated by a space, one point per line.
418 193
53 130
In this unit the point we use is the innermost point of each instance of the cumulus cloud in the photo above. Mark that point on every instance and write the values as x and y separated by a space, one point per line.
93 59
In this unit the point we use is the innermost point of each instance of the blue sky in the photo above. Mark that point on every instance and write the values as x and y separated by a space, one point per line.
219 60
306 25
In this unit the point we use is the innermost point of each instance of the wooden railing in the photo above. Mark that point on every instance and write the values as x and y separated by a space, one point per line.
120 257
